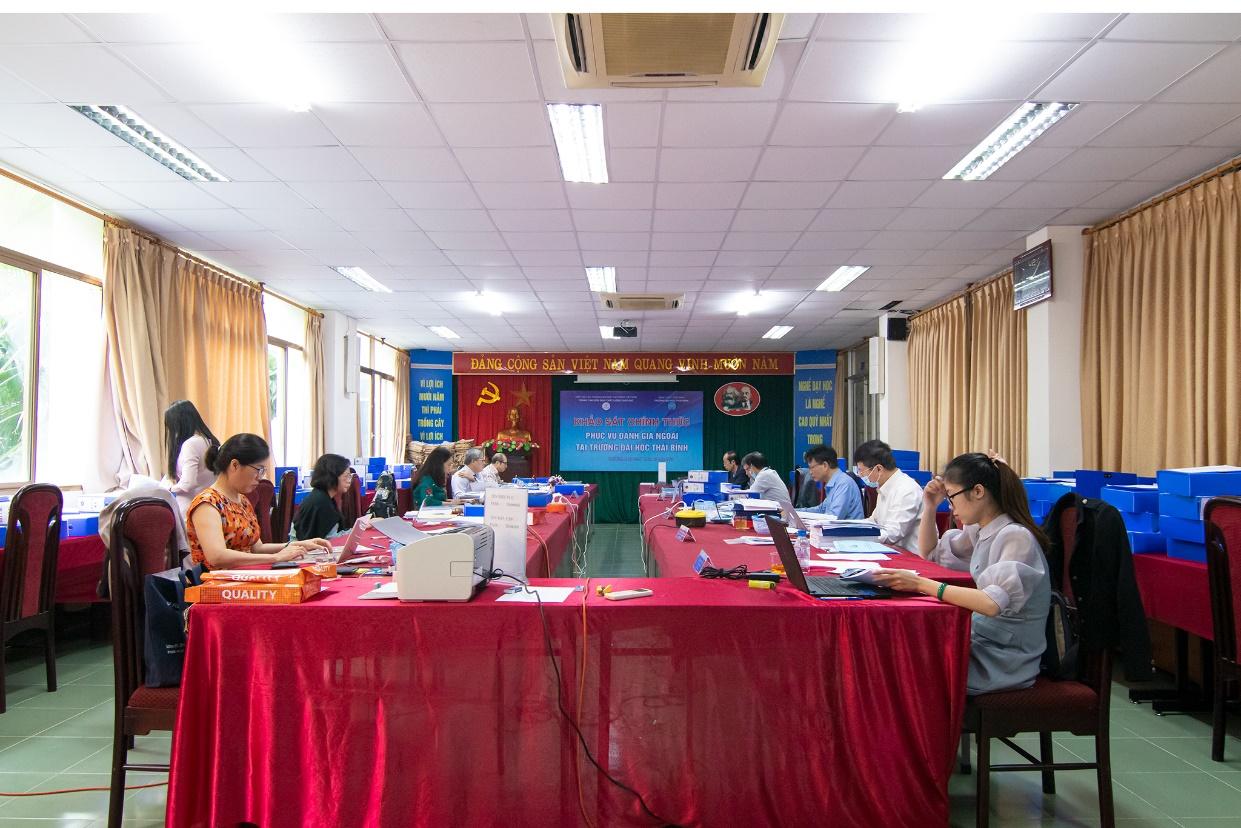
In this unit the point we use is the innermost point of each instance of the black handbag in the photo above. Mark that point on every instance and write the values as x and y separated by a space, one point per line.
167 624
384 503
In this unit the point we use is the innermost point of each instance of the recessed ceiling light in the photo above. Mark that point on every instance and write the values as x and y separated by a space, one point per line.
840 279
777 331
1019 129
447 333
126 125
602 279
491 302
747 303
578 129
607 332
362 279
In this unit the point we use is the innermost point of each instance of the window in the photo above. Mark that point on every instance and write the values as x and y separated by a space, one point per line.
287 387
863 420
47 429
376 397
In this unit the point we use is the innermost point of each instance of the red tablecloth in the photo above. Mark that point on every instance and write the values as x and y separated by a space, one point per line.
671 557
1175 592
79 566
722 705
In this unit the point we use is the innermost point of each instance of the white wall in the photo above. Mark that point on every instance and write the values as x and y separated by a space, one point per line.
341 408
1053 354
895 413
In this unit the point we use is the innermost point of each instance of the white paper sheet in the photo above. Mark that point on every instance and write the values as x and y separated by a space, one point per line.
549 595
852 556
857 546
751 540
387 590
399 530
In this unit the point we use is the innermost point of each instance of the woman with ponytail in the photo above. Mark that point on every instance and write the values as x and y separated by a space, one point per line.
1004 552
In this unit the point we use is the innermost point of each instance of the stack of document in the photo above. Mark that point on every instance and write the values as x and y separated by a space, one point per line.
849 529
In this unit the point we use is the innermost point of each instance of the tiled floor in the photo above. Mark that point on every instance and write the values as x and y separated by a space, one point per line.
1163 773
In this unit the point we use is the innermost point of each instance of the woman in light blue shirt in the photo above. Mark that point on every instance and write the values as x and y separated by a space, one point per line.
1004 553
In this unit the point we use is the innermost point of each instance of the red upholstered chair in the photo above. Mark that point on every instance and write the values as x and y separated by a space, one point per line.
870 497
28 573
282 512
143 541
351 501
261 499
1077 706
1223 520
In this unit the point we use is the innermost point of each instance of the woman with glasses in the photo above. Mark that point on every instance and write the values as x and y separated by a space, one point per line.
221 525
1004 552
317 515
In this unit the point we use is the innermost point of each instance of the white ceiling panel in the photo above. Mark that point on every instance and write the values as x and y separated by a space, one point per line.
532 220
947 125
52 125
371 220
611 196
1105 163
877 193
830 125
83 74
697 196
263 125
452 220
434 195
310 163
510 163
806 164
703 164
630 164
966 193
494 124
470 71
717 125
1216 28
1125 71
380 124
906 163
1186 163
1214 81
1054 194
308 221
612 221
800 194
763 220
693 221
453 27
874 218
330 195
535 196
430 164
40 28
1168 125
111 164
915 218
34 163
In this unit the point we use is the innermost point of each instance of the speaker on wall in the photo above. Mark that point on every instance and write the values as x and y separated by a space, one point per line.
898 328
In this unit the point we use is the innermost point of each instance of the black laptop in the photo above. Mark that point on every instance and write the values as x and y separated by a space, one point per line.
817 586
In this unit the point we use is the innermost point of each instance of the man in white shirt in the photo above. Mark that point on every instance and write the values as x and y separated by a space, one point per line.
899 507
490 476
764 480
467 478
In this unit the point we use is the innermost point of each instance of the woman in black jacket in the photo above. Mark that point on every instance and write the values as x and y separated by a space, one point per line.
317 516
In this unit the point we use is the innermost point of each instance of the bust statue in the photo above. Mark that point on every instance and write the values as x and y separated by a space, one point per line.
513 433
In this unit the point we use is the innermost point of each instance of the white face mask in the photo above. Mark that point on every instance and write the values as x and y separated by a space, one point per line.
866 478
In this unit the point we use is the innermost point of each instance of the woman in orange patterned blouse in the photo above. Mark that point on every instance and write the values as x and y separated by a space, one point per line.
221 525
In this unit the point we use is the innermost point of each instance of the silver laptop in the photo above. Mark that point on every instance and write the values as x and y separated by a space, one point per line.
351 543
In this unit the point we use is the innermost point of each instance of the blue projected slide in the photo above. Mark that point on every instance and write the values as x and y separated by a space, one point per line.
630 430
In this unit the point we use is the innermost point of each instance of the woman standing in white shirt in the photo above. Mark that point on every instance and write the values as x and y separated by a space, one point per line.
1004 553
188 439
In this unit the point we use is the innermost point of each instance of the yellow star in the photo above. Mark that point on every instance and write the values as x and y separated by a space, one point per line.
523 396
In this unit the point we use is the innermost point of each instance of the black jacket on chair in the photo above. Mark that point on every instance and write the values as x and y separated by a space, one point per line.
1104 586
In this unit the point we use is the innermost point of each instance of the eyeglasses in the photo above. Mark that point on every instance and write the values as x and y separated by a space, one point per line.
262 470
954 494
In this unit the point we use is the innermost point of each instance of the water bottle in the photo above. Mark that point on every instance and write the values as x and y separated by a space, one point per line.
802 546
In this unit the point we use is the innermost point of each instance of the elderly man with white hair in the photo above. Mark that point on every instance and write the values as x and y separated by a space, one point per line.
491 476
468 478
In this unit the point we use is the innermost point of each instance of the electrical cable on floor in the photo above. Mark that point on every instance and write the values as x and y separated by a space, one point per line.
83 790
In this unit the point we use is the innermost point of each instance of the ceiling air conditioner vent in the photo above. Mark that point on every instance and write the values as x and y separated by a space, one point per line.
665 50
642 301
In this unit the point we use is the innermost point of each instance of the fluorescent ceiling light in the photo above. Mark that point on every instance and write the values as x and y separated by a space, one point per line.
492 303
747 303
840 279
447 333
362 279
1019 129
777 331
140 135
578 129
606 332
602 279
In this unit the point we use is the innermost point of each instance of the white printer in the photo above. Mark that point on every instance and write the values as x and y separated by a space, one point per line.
445 567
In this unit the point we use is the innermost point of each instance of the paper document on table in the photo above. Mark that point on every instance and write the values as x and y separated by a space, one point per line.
398 529
856 546
751 540
815 517
846 566
387 590
548 595
852 556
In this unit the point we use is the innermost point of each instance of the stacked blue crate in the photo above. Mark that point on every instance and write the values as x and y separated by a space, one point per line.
1139 507
1042 493
1090 482
1181 495
906 459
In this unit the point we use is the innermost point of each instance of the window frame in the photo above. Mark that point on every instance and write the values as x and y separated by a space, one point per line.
373 376
284 346
38 268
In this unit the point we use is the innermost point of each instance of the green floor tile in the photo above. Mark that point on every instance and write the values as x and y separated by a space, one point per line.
44 754
1179 795
22 722
1131 754
1197 752
71 696
96 722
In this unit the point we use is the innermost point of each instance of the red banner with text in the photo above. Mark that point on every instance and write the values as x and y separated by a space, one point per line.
494 364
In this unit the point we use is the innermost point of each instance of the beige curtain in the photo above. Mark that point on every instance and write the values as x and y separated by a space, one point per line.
938 395
400 429
316 423
179 330
997 376
1161 334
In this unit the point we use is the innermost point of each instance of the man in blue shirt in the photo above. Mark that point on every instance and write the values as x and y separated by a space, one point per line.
844 499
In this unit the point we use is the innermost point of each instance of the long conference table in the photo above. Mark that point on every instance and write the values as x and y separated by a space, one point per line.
718 703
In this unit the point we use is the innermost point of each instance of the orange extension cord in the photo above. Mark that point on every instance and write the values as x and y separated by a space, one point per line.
82 790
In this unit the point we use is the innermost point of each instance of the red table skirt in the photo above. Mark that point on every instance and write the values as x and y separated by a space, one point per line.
722 705
672 557
79 567
1175 592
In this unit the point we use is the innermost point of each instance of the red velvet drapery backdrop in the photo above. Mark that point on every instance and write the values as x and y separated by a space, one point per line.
482 420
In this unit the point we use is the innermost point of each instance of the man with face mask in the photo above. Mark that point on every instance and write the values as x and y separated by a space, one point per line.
899 506
765 481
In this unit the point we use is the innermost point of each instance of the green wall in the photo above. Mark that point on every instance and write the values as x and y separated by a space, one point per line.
769 430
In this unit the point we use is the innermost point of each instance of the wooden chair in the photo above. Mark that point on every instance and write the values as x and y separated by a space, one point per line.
261 499
28 573
1081 707
143 541
1223 520
351 501
282 513
870 497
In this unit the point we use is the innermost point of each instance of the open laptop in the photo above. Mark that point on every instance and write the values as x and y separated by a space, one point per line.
351 543
790 515
818 586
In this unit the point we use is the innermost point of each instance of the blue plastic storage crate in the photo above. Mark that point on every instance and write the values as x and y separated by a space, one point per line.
1144 543
1136 498
1089 482
1206 480
1180 506
1194 531
1187 550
